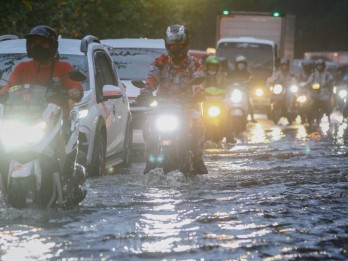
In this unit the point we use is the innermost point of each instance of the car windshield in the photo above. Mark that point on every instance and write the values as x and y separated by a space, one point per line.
134 63
259 56
10 60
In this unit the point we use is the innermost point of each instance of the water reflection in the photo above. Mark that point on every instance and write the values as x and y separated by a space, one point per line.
25 244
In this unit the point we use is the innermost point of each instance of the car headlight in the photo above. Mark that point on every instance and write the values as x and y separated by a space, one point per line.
214 111
15 134
302 98
277 89
342 94
236 96
294 88
167 123
259 92
154 104
83 111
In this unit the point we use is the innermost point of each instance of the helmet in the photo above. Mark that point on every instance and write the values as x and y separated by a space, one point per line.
212 60
284 61
177 42
241 62
45 32
320 65
212 64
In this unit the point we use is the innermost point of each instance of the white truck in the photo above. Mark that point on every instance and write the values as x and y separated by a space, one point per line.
262 38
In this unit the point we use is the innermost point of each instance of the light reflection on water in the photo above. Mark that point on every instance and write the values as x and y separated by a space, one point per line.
266 198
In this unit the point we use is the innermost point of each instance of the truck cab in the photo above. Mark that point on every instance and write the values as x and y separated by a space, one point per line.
261 55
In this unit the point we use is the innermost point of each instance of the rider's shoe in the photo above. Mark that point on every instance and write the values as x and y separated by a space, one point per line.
199 166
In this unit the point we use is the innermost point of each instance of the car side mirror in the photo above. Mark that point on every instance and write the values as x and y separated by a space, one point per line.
139 84
111 92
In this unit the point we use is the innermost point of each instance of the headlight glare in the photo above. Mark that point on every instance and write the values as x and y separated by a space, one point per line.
167 123
214 111
236 96
277 89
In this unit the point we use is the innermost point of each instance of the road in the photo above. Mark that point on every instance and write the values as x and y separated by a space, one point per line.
279 193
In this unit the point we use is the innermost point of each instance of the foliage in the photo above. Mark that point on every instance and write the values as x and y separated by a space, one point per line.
149 18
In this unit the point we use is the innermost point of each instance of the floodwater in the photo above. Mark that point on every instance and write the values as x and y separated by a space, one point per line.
281 193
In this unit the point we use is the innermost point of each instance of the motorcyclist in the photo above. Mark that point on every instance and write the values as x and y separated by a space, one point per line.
283 75
45 69
212 70
173 73
241 74
326 81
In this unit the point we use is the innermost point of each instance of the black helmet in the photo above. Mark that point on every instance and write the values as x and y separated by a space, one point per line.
177 42
284 61
320 65
46 32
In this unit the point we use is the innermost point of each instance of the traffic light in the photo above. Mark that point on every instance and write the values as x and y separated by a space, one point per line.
226 12
276 14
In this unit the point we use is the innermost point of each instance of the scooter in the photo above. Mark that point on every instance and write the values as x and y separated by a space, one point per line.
38 147
236 102
283 102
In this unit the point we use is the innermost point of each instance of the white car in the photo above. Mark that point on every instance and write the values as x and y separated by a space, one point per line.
133 57
105 120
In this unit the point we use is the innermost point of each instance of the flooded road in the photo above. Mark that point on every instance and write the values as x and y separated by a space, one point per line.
281 193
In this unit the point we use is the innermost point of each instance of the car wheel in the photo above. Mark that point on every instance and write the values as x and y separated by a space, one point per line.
127 156
97 166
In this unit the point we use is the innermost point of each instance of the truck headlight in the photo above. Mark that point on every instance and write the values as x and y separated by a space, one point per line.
167 123
236 96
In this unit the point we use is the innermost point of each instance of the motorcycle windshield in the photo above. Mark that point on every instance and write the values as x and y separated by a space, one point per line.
25 102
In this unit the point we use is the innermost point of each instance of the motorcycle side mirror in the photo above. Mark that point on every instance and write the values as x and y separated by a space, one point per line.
77 75
198 80
139 84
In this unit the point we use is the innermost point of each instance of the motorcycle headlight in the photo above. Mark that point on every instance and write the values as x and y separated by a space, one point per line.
214 111
342 94
302 98
167 123
294 88
315 86
236 96
259 92
154 104
15 134
277 89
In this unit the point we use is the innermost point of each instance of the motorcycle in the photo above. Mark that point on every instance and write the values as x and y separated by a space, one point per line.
39 147
283 102
214 114
319 103
236 101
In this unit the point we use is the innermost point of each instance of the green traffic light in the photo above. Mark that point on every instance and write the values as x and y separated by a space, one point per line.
276 14
225 12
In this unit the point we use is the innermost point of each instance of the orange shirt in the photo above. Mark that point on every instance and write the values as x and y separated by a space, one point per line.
33 73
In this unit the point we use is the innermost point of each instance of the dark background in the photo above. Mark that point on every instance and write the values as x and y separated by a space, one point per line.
321 25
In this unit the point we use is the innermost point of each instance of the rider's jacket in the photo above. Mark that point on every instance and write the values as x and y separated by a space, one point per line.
281 78
168 78
325 79
34 73
239 76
